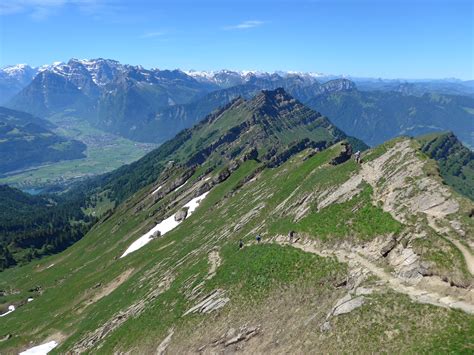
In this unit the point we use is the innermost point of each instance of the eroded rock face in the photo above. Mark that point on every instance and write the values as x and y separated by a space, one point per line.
407 263
211 302
388 246
348 304
403 187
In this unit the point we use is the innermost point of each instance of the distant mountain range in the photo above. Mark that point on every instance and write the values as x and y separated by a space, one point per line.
13 79
152 105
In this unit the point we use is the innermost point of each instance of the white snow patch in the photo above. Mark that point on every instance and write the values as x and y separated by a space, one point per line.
164 226
180 186
42 349
11 309
158 189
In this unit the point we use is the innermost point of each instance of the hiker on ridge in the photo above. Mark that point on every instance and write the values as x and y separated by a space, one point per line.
357 156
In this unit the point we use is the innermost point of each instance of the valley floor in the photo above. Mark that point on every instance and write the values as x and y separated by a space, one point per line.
105 152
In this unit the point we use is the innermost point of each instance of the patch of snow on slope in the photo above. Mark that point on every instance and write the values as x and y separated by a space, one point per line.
158 189
163 227
42 349
11 309
180 186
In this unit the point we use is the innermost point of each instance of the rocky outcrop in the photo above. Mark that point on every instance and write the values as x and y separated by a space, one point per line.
173 184
234 336
230 136
156 234
347 304
337 85
248 216
344 155
165 343
251 154
181 215
222 176
211 302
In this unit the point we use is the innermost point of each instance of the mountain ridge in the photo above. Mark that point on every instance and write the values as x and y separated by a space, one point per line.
210 294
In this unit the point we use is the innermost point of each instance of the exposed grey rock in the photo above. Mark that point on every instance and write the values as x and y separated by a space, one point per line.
248 216
181 215
244 334
156 234
387 248
233 336
325 327
165 343
348 306
363 291
222 176
211 302
202 189
407 263
233 166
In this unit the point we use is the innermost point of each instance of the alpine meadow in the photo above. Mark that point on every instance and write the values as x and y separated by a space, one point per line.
248 177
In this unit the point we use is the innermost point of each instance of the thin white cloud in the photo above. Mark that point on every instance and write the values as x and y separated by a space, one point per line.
153 34
245 25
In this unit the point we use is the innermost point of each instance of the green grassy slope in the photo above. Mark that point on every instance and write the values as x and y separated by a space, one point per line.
78 291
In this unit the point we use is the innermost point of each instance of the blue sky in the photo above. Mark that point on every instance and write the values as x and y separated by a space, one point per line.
383 38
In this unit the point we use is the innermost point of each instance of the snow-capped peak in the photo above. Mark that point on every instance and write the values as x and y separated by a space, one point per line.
11 69
227 77
21 73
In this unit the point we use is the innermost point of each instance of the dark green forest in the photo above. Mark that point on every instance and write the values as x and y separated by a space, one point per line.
455 161
34 226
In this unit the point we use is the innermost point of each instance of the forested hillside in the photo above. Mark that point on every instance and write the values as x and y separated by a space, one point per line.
34 226
456 162
27 141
